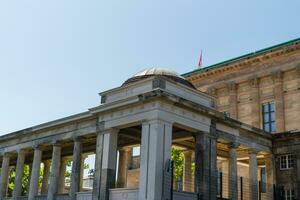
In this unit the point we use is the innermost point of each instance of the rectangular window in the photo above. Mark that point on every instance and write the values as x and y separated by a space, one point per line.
289 194
286 162
268 116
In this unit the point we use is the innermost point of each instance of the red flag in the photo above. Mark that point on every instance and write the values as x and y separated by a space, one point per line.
200 60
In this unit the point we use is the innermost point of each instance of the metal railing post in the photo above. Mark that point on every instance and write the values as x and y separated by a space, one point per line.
221 185
241 187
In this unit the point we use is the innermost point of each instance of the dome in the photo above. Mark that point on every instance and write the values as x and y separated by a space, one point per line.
159 72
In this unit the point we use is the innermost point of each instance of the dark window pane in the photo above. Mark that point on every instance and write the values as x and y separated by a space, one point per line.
272 106
266 127
265 108
273 116
266 117
273 127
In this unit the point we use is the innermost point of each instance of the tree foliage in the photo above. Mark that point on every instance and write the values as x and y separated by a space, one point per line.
178 159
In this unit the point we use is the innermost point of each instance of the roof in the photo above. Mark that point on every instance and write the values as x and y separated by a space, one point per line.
246 56
158 72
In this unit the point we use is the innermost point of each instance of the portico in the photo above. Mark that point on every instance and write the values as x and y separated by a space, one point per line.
156 109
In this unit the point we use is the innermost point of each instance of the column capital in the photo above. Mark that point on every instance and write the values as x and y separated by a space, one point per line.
56 143
233 145
22 151
125 149
6 154
108 131
253 151
187 153
36 147
76 138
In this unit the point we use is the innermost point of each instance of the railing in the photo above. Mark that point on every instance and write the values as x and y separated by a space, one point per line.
123 193
62 196
41 197
84 196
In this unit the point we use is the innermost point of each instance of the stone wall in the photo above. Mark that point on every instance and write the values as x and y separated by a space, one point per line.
242 88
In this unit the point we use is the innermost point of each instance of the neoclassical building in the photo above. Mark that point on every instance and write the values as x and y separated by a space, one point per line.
220 118
262 89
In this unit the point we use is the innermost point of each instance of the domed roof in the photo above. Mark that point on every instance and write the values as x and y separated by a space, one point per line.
159 72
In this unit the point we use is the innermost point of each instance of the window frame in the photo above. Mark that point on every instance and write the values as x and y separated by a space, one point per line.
270 112
289 194
288 162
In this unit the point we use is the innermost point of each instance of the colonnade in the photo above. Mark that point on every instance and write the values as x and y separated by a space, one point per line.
156 142
232 172
53 180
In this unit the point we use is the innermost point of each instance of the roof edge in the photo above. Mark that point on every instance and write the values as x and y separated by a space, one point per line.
245 56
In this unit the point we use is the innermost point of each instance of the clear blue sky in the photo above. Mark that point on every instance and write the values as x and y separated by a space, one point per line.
55 56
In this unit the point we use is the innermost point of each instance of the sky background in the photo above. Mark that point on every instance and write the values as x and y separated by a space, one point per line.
56 55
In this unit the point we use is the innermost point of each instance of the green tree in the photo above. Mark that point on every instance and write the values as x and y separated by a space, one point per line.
178 159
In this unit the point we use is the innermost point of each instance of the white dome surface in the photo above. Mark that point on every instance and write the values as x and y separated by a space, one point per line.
157 71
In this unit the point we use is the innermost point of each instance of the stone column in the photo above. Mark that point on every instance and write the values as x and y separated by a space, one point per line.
35 174
253 183
46 174
233 100
255 103
232 172
124 160
225 178
75 176
62 175
54 173
109 162
279 101
83 157
4 175
19 174
187 172
270 169
155 155
98 166
206 164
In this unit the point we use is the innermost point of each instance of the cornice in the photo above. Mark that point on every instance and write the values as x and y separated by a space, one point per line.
241 62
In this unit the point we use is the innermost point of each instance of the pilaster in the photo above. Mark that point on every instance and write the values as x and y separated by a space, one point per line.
255 102
279 101
109 162
155 156
206 164
232 87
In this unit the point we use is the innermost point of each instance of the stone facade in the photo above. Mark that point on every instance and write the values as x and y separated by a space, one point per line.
242 85
154 112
